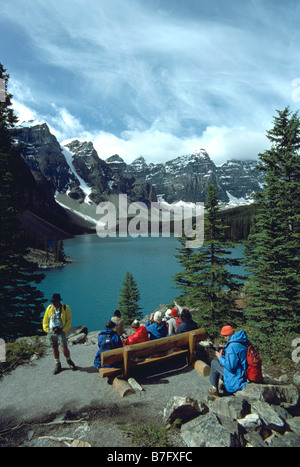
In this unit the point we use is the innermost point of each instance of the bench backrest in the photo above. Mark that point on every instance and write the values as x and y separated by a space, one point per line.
146 349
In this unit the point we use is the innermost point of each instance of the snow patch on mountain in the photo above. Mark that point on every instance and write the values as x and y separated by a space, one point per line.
83 185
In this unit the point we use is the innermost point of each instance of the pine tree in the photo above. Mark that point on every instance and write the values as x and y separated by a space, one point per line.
185 260
61 257
273 249
129 297
21 304
58 249
207 282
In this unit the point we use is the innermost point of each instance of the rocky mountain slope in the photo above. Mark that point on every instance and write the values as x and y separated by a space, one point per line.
79 179
187 177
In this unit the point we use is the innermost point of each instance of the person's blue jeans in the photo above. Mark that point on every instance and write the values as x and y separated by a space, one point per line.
216 371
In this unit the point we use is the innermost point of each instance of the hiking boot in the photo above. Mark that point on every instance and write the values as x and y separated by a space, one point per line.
57 369
72 365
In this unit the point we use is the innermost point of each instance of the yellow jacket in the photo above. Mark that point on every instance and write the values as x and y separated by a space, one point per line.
65 317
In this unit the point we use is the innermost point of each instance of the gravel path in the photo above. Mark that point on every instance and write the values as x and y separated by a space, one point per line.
31 394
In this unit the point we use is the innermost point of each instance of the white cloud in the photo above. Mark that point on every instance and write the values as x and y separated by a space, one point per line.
23 113
157 79
221 143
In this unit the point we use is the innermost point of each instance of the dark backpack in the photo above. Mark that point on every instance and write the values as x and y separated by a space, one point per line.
253 371
107 343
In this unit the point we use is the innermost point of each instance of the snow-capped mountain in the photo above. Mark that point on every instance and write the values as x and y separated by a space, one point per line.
80 179
75 173
186 178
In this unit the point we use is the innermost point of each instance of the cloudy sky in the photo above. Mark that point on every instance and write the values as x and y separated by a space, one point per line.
157 78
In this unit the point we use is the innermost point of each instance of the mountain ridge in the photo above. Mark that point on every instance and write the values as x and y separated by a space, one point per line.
79 179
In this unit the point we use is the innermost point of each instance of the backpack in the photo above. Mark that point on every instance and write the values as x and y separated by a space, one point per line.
107 343
178 321
254 370
254 363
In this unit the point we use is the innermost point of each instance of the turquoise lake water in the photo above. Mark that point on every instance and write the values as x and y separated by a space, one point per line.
91 283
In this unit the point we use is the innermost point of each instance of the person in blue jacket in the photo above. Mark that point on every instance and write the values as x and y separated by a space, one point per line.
107 340
156 327
231 366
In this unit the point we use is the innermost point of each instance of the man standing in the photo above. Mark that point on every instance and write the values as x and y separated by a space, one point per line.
56 323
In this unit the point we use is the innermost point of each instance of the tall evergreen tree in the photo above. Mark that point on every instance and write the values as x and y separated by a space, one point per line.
182 278
273 249
206 279
129 297
21 304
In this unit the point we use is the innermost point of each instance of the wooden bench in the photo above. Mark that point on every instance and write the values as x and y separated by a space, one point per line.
123 360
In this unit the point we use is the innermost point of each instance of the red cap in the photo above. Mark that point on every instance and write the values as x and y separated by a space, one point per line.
227 331
174 312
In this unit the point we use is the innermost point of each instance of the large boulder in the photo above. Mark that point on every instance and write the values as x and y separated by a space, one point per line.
275 394
207 431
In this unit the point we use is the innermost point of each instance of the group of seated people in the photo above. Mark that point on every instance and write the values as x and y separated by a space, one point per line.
175 321
231 363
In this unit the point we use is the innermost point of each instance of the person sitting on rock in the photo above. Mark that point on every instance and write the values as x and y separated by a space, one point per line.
107 340
231 366
187 323
156 327
140 334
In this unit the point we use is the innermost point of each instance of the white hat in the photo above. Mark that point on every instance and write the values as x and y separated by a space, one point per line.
135 324
168 313
157 316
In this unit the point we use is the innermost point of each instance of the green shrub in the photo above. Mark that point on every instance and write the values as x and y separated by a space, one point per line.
21 351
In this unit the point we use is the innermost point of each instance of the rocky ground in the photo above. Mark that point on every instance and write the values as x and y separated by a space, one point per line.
38 409
45 260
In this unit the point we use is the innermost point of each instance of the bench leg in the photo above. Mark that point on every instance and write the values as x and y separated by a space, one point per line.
192 345
126 361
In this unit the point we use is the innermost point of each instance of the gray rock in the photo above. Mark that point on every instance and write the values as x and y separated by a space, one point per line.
282 412
77 335
254 440
271 393
183 408
294 424
73 331
77 339
267 414
251 422
231 407
207 431
290 440
296 379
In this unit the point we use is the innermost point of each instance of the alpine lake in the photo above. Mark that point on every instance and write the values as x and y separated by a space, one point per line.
91 283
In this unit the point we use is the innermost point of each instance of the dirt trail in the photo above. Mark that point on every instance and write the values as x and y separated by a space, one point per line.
31 394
